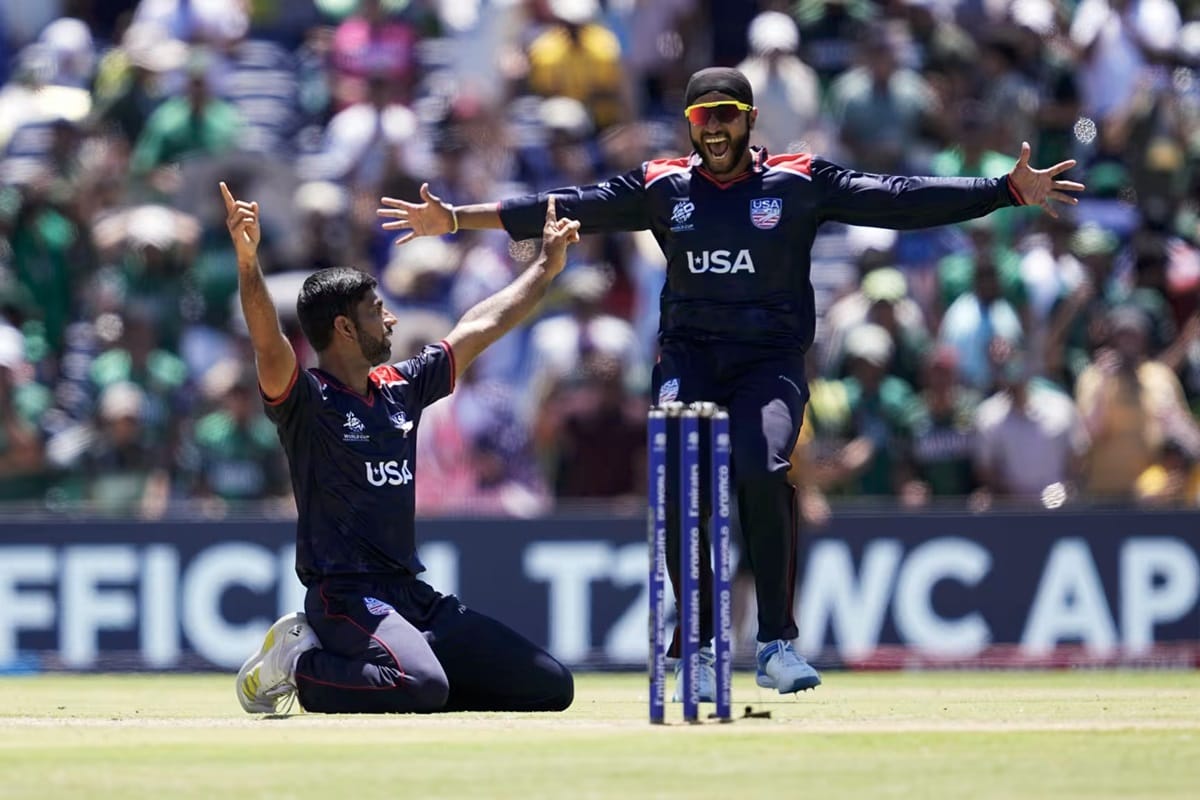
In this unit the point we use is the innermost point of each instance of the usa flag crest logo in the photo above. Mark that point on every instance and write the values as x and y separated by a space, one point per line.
377 607
401 422
669 391
765 212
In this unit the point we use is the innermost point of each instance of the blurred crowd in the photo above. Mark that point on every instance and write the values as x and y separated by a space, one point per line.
1021 358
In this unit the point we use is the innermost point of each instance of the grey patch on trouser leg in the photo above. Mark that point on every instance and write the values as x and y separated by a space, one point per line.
780 431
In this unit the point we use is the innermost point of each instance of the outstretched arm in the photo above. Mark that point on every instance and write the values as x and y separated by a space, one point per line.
907 202
435 217
273 353
617 204
500 313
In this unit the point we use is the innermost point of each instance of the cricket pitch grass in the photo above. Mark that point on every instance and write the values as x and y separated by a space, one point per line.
912 735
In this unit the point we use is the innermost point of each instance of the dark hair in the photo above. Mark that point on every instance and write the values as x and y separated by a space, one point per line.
326 295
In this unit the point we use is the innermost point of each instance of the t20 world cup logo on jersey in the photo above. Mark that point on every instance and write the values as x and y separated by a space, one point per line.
765 212
681 215
355 430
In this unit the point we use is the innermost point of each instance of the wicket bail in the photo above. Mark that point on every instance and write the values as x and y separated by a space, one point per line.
697 426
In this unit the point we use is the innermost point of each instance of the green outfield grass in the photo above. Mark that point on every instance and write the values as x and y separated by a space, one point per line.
954 735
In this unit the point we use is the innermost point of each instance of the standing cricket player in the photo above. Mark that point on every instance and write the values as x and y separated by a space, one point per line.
737 311
375 637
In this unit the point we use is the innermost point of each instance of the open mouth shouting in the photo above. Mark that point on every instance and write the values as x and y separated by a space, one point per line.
718 147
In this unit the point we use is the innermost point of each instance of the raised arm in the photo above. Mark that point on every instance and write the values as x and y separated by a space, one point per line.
500 313
273 353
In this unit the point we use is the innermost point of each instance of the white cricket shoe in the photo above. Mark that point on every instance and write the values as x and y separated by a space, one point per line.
708 677
780 667
268 678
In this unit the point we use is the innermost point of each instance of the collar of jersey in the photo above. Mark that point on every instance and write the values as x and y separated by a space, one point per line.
368 398
758 156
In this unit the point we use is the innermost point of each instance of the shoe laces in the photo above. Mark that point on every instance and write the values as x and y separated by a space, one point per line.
783 650
788 654
285 703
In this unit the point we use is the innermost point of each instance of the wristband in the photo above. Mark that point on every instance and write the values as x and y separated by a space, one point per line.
1016 194
454 217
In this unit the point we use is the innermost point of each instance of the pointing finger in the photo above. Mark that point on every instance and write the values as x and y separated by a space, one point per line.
228 197
551 215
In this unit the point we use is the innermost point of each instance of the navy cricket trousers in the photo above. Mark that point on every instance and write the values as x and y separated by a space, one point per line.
395 644
765 393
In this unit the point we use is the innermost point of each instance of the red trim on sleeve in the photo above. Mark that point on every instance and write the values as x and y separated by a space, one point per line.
662 167
453 365
791 162
276 401
386 373
1012 190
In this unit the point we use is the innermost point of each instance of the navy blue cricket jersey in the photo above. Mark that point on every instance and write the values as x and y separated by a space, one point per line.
353 462
737 252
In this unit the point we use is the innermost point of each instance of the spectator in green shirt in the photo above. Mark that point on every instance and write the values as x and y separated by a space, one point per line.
139 358
234 452
195 124
125 468
970 157
45 244
862 421
22 459
1078 319
942 421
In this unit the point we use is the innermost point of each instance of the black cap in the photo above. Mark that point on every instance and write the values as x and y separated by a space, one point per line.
725 80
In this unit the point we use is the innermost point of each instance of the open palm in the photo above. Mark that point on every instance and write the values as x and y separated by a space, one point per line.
431 217
1040 187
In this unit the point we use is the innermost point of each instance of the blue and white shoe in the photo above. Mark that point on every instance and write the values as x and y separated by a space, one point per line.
780 667
708 677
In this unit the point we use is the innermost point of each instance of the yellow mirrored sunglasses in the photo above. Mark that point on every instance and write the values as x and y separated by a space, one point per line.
725 111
